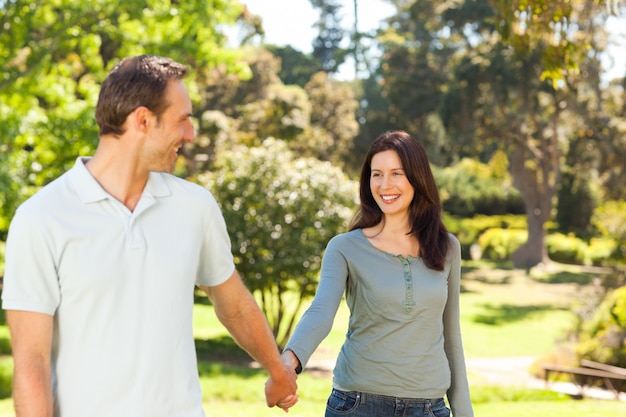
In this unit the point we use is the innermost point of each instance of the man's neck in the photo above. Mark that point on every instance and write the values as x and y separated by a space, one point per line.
120 177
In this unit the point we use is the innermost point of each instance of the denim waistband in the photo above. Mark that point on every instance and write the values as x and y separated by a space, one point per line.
407 400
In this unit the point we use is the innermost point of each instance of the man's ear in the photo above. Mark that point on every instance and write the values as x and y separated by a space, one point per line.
141 119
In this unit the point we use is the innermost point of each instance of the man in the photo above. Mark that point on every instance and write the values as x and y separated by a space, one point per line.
101 266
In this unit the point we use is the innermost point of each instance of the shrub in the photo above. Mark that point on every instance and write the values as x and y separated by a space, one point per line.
467 230
2 245
566 249
610 220
601 250
281 212
498 244
471 187
6 377
602 338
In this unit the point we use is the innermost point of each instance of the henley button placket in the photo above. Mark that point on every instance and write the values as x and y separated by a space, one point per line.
408 302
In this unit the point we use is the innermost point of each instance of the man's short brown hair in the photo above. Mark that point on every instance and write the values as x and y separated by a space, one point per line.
135 82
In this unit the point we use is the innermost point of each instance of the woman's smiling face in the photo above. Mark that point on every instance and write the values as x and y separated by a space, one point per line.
389 184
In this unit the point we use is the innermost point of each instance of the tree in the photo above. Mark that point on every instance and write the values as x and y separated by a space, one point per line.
281 211
609 132
53 56
552 26
318 120
296 67
417 49
326 46
333 125
494 98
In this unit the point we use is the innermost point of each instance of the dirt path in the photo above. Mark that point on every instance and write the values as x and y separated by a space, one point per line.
503 371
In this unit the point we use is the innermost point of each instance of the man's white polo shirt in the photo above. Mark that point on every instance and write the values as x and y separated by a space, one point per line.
120 286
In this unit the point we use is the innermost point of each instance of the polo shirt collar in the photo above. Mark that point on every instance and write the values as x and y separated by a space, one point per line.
90 191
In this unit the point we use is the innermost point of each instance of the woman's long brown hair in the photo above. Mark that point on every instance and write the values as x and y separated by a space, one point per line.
425 209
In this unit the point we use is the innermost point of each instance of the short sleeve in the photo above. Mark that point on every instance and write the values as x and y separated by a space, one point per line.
30 279
216 263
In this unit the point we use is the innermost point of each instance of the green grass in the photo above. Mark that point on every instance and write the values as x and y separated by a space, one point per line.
504 312
571 408
247 400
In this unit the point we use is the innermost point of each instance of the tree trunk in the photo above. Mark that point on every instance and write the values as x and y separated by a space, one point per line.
534 251
536 172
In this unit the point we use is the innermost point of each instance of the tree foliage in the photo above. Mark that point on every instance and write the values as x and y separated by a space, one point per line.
471 187
603 336
280 211
333 124
449 61
54 55
553 27
327 45
295 67
317 120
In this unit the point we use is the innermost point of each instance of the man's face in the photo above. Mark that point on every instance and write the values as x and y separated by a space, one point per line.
171 130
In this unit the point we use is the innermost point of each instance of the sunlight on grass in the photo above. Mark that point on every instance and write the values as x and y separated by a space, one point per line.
532 336
207 326
6 407
504 313
571 408
227 393
205 323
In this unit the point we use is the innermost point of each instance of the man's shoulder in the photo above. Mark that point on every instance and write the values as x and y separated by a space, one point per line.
48 195
183 184
184 189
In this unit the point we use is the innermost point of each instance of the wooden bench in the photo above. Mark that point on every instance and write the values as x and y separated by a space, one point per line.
613 377
603 367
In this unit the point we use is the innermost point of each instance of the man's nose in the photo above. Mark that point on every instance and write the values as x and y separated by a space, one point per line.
190 133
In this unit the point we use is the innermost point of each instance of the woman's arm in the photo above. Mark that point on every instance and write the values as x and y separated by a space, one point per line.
317 320
458 394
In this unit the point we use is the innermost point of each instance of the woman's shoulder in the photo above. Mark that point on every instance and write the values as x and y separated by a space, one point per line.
453 239
454 246
347 238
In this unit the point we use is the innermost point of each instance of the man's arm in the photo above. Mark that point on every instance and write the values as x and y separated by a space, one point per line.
31 341
240 314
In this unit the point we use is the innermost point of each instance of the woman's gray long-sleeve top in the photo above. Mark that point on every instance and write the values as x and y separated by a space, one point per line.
404 336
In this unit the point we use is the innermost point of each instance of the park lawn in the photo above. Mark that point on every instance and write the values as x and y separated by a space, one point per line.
313 408
503 313
570 408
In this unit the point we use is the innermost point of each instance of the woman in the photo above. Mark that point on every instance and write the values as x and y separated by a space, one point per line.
400 271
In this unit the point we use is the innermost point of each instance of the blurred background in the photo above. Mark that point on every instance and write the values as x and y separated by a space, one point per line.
520 104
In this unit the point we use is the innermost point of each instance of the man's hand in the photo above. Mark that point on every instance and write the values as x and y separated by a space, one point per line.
237 310
287 403
280 389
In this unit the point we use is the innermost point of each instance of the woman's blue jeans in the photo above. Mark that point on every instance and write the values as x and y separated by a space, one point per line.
359 404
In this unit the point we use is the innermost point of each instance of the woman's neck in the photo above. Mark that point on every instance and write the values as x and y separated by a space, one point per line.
393 237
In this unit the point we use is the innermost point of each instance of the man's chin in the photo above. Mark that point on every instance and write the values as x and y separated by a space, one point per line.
165 170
